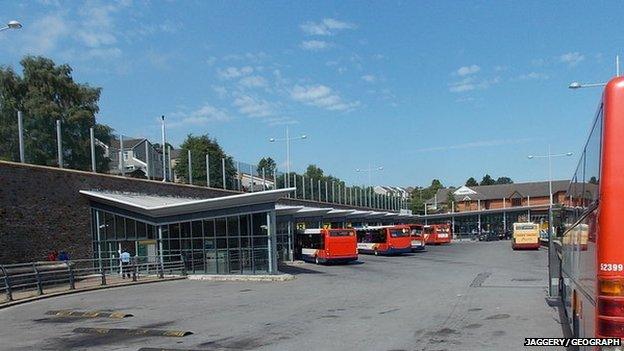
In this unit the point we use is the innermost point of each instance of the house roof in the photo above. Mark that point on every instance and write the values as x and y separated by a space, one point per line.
127 143
499 191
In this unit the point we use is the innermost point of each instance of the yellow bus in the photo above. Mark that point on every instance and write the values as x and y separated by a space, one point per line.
525 236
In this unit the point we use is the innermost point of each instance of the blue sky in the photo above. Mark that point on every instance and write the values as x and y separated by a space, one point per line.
439 89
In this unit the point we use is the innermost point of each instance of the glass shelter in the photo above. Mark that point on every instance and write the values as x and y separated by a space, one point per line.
234 234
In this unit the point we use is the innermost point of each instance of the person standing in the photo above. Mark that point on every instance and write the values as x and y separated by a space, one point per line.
124 257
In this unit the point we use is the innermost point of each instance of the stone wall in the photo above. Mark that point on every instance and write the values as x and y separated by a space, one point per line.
41 209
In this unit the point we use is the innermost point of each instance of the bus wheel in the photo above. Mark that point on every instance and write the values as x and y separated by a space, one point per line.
316 260
376 253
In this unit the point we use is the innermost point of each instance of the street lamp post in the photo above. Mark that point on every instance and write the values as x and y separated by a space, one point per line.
552 271
11 25
288 139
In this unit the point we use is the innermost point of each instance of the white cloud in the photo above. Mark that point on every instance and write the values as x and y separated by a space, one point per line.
476 144
234 72
253 82
43 35
468 70
221 91
314 45
280 121
472 83
253 107
202 116
327 26
571 58
321 96
533 76
369 78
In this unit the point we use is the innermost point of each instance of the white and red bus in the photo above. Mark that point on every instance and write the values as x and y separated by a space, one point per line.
327 245
384 240
437 234
592 264
418 239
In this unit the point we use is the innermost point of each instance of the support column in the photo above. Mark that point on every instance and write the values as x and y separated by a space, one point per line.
272 244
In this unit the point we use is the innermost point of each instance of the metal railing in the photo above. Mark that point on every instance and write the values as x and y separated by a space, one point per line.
24 279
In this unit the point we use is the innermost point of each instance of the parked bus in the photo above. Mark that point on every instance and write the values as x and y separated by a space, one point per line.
418 239
592 277
525 236
327 245
437 234
384 240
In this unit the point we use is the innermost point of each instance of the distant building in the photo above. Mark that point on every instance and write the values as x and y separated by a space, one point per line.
496 207
135 162
396 191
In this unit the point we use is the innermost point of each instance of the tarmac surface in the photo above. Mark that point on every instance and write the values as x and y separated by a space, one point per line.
462 296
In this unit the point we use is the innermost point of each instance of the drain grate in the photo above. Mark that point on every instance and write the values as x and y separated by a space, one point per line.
89 314
479 279
133 332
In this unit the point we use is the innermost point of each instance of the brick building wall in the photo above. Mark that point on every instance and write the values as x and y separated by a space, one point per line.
41 209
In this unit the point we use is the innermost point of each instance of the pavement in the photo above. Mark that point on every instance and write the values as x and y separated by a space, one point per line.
462 296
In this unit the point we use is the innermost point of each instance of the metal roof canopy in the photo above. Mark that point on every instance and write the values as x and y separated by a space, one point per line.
312 212
161 206
283 210
360 214
334 213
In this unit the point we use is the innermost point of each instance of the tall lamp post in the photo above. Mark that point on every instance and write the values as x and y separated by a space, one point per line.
552 292
11 25
288 139
370 171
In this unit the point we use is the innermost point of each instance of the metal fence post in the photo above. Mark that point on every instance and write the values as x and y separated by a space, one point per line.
263 179
39 284
326 192
319 189
208 170
238 183
147 163
334 192
134 268
295 184
70 271
93 163
59 143
122 166
303 187
103 276
170 177
184 273
20 135
274 178
190 167
7 284
251 175
223 170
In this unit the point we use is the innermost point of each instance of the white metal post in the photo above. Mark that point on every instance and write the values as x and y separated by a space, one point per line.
59 143
252 178
287 184
20 136
208 170
169 169
122 163
92 136
223 171
163 148
190 167
147 172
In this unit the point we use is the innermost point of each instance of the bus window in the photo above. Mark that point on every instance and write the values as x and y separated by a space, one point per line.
399 233
340 233
312 241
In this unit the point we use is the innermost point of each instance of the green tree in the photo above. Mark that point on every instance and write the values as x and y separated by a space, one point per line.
313 171
472 182
269 166
47 92
199 147
450 198
487 180
504 180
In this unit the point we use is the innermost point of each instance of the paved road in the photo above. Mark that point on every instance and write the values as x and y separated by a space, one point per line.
464 296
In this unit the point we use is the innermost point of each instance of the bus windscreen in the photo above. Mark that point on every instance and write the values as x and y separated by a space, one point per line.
399 233
340 233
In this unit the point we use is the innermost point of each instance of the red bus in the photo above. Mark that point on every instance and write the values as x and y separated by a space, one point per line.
592 247
418 240
384 240
327 245
437 234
